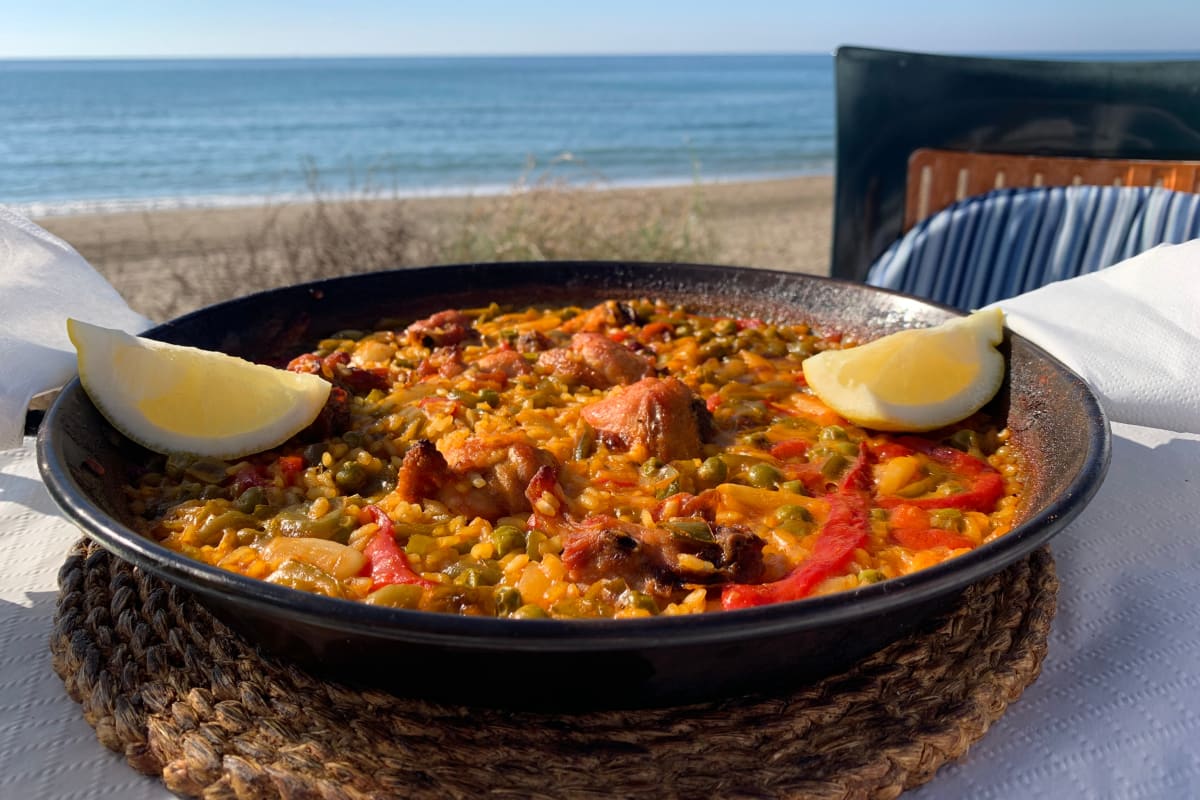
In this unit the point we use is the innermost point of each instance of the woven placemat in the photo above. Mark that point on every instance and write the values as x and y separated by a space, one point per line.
185 698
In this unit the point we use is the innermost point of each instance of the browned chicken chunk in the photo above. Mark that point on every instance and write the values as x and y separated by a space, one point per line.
660 414
594 360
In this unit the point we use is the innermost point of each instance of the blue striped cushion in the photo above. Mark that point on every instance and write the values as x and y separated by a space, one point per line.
1009 241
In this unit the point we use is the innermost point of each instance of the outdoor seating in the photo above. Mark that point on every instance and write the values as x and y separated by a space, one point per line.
916 132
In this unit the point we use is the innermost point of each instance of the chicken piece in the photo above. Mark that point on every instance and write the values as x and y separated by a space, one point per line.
657 561
605 316
508 363
443 361
594 360
660 415
442 329
338 370
505 464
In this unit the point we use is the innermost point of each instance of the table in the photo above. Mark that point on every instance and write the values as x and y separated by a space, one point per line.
1115 714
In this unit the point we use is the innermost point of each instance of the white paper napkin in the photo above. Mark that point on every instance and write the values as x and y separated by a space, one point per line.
42 282
1131 331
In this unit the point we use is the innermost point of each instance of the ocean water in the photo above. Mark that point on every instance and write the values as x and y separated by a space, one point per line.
112 134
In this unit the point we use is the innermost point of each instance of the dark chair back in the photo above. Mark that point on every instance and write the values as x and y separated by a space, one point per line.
891 104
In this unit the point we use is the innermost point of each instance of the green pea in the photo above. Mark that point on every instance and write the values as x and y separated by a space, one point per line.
530 611
651 466
832 433
508 600
507 538
764 476
869 576
796 527
712 471
350 476
795 487
250 499
793 512
725 327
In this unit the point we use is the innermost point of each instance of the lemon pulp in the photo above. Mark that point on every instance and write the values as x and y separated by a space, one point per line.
175 399
914 380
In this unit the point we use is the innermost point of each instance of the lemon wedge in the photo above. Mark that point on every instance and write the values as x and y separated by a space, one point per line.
914 380
175 399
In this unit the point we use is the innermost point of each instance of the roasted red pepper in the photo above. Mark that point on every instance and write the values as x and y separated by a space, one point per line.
910 526
789 449
844 531
986 484
386 562
290 467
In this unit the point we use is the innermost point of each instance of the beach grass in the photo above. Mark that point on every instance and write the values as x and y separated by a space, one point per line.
166 263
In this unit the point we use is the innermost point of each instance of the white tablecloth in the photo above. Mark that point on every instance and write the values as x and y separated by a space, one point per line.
1115 714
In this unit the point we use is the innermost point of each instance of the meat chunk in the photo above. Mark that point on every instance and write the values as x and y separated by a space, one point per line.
594 360
508 363
660 415
442 329
337 369
505 465
657 561
605 316
332 420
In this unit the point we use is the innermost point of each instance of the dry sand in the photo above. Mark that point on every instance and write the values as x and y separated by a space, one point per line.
168 262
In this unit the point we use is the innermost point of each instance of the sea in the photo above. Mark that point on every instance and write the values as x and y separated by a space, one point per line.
104 135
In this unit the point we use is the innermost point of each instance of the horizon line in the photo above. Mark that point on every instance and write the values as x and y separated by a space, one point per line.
729 53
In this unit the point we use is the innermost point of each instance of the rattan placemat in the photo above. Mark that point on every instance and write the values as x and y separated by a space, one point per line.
183 697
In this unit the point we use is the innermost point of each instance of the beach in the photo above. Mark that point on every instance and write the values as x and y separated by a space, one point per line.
169 262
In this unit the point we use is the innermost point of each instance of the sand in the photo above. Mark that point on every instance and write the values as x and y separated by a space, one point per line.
169 262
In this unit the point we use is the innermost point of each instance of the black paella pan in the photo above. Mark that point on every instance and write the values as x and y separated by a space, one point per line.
1054 417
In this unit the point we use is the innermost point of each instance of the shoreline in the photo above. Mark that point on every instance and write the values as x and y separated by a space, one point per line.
168 262
50 209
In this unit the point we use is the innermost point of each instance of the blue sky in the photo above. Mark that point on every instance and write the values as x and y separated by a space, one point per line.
436 27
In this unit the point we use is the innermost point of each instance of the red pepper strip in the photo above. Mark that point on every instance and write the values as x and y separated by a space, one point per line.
290 468
713 401
789 449
248 475
844 531
910 527
927 538
987 485
652 330
858 477
749 322
386 562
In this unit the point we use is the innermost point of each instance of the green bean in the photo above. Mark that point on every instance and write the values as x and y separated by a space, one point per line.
725 327
834 465
468 399
250 499
397 595
965 440
950 519
763 476
353 439
690 529
586 442
533 545
491 397
671 488
631 598
420 544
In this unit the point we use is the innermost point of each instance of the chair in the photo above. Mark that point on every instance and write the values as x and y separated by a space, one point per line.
1009 241
916 131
